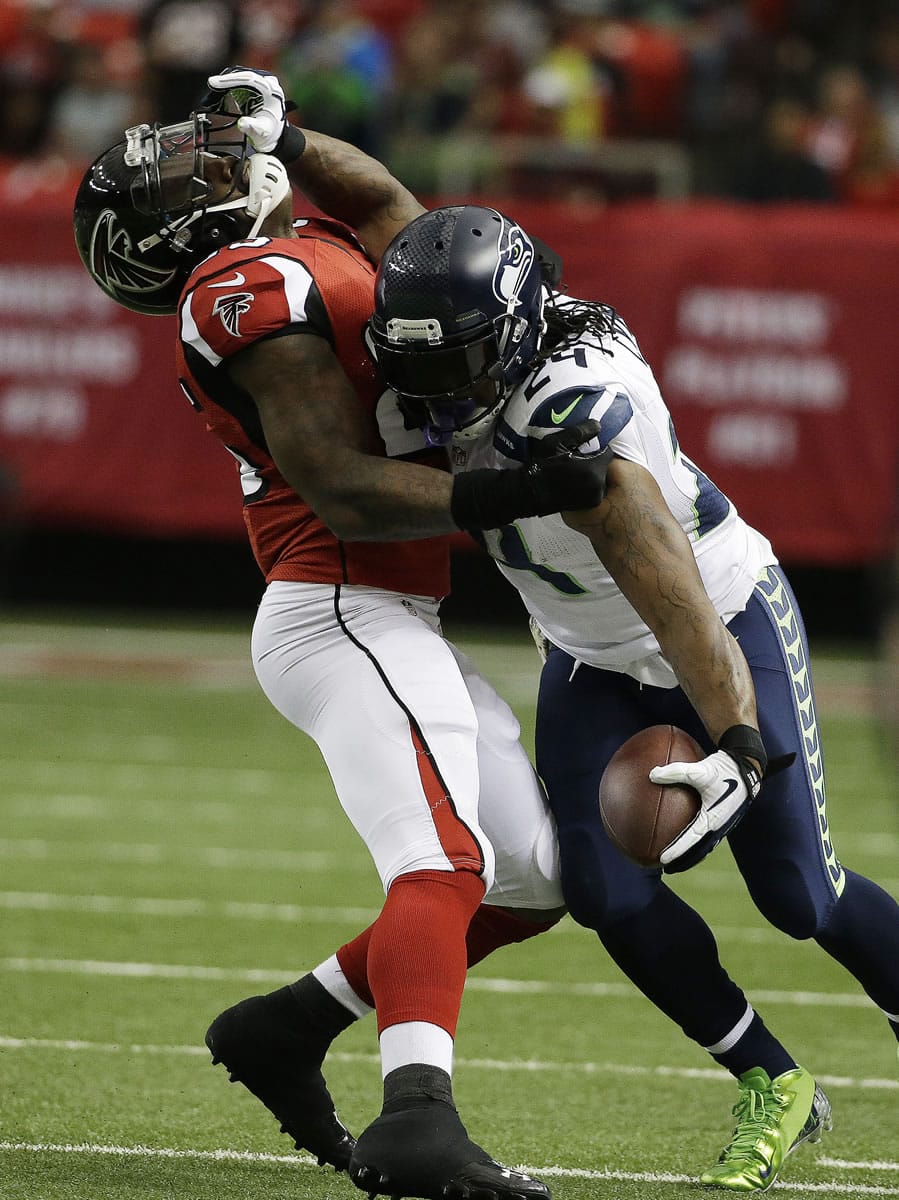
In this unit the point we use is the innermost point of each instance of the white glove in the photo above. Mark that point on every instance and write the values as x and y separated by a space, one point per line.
260 97
724 795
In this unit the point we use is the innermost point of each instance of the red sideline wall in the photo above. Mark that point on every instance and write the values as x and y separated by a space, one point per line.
772 333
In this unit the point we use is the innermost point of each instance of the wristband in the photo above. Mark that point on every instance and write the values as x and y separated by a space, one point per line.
742 741
291 144
743 744
486 499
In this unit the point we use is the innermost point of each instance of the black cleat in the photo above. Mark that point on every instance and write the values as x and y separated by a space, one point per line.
423 1150
275 1048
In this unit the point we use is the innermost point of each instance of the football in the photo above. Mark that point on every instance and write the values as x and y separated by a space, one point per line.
642 817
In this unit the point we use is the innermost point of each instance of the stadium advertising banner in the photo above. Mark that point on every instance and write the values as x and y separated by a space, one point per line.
95 433
772 334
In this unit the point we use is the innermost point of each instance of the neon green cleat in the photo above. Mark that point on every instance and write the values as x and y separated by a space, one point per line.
774 1116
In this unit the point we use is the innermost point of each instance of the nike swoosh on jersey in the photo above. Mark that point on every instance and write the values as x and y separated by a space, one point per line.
730 786
235 282
558 418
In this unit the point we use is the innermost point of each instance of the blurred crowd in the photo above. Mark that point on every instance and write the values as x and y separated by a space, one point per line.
767 100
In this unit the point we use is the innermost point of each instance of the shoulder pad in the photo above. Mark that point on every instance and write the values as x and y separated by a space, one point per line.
567 407
613 410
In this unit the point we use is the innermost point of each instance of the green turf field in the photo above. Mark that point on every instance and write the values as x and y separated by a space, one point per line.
169 844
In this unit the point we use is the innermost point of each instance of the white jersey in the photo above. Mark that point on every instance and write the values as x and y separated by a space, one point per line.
568 592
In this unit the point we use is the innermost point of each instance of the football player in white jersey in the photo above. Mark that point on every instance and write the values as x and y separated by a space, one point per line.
659 606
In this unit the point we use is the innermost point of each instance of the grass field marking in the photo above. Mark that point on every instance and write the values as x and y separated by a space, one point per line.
293 1160
158 853
834 1187
78 1044
554 987
139 970
149 906
104 905
874 845
843 1165
499 1065
477 983
709 879
247 910
145 774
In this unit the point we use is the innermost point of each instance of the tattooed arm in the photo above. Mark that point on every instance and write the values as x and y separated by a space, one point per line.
648 555
354 188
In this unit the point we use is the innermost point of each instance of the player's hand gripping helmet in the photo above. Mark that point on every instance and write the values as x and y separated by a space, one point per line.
143 217
458 317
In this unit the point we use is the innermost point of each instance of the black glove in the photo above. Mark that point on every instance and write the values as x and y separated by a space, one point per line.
561 476
567 471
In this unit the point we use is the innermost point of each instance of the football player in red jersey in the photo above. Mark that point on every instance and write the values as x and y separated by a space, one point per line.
198 218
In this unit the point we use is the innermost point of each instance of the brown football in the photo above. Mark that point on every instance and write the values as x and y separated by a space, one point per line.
642 817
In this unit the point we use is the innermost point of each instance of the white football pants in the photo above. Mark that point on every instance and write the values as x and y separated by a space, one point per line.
423 754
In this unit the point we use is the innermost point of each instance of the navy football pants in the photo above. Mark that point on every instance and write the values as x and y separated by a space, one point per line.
782 847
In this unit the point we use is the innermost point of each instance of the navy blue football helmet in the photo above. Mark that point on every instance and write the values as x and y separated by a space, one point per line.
458 317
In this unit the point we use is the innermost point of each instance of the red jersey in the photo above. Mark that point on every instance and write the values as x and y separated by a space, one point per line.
319 283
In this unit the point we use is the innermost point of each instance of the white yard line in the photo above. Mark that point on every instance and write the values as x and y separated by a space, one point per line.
158 853
196 907
874 845
138 774
834 1187
477 983
149 906
843 1165
497 1065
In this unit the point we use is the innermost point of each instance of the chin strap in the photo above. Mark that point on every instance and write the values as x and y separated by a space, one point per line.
267 184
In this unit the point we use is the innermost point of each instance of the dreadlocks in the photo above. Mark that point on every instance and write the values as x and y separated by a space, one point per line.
566 324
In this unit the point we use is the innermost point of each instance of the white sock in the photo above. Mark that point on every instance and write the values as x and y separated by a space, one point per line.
330 975
416 1042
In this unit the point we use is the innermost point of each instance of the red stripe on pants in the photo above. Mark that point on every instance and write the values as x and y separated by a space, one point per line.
456 839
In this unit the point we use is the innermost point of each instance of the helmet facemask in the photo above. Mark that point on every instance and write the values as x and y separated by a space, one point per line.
454 372
444 387
172 183
144 214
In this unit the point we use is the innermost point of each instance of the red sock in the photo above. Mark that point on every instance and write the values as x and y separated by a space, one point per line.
488 929
353 959
492 927
416 955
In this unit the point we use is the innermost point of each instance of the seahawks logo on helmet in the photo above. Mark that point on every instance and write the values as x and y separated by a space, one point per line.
113 263
515 256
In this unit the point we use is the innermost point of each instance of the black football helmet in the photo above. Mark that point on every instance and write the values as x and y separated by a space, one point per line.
458 317
142 215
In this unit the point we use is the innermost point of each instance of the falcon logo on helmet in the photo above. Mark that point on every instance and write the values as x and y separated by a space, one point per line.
148 210
113 264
